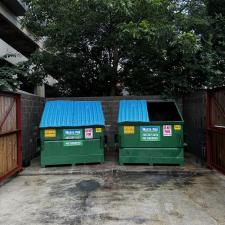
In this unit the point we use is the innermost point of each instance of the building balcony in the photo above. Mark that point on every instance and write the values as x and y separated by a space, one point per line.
16 6
11 30
9 54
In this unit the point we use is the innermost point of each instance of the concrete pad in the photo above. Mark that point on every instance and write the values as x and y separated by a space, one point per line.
114 197
111 164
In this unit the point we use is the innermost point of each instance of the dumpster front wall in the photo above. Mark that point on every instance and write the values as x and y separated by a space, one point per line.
76 133
148 135
72 145
72 152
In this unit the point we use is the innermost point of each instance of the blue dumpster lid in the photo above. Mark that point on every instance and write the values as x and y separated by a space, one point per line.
72 114
133 111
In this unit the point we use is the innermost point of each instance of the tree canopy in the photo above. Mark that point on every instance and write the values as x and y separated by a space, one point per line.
9 78
105 47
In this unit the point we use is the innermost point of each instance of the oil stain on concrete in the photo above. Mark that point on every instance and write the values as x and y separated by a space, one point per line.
114 198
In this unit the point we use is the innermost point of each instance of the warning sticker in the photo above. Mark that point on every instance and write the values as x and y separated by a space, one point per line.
72 134
167 130
128 129
72 143
88 133
98 130
150 133
177 127
50 133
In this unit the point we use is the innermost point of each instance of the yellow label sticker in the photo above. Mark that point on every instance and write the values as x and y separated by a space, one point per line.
177 127
50 133
128 129
98 130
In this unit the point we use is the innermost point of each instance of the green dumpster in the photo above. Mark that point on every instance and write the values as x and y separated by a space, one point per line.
72 132
150 132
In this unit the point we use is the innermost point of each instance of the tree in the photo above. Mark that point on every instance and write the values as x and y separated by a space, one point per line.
101 47
215 7
9 78
216 11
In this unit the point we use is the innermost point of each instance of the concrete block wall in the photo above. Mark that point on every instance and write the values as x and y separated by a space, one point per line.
31 109
111 106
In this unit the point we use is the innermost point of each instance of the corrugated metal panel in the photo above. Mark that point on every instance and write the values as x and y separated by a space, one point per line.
72 114
133 111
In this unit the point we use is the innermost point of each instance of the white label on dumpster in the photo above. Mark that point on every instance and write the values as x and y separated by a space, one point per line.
88 133
72 143
150 133
72 134
167 130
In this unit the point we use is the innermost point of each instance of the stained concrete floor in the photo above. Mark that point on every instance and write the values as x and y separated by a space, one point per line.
118 197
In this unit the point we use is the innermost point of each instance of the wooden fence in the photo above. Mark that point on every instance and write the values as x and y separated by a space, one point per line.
10 135
216 128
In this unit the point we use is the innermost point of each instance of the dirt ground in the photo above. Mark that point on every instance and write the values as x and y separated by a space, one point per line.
120 197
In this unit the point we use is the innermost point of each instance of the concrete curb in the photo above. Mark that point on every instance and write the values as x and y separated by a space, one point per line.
150 171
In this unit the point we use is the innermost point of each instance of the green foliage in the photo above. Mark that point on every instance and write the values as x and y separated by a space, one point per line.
216 7
101 47
9 78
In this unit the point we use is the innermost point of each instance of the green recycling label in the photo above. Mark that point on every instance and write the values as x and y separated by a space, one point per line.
150 133
72 143
72 134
